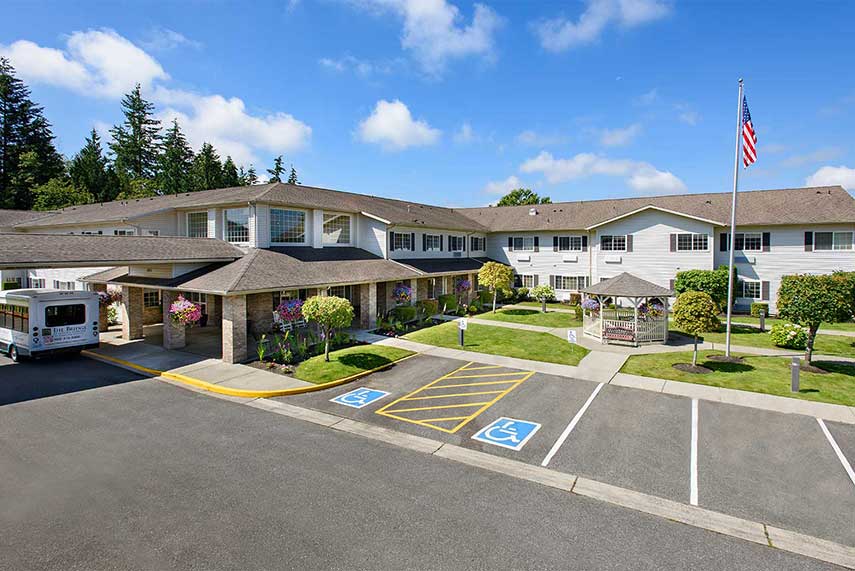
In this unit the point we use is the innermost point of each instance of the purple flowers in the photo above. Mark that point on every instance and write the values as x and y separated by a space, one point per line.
402 294
462 286
184 312
591 304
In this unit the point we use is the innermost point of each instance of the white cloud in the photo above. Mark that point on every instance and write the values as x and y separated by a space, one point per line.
620 136
560 34
639 175
392 126
823 155
226 124
465 134
830 176
435 31
648 98
502 187
96 62
689 117
164 39
534 139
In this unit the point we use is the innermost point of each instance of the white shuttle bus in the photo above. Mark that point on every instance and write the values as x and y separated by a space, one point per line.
37 322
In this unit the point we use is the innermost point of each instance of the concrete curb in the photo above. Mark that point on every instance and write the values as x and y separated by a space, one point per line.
243 393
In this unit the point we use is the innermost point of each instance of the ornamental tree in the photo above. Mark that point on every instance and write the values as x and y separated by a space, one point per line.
812 300
493 276
713 282
695 312
542 293
329 313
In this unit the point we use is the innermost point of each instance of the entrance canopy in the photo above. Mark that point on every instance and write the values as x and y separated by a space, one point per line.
645 322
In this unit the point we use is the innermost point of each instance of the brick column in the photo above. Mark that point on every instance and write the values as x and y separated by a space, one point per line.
472 288
132 312
422 288
102 309
215 310
368 306
174 334
234 328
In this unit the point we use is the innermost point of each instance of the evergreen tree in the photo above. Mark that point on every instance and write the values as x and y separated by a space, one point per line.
277 170
250 178
23 130
176 162
59 193
292 178
136 142
230 173
207 169
90 171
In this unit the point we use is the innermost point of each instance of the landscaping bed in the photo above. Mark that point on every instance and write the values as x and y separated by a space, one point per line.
534 317
503 341
347 362
549 305
760 374
752 337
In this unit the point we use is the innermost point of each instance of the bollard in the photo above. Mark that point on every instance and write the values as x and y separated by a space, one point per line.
794 375
460 331
762 320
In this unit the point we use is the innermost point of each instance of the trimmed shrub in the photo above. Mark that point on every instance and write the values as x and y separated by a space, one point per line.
578 310
405 313
522 294
757 306
447 302
789 335
428 307
812 300
711 282
696 313
485 296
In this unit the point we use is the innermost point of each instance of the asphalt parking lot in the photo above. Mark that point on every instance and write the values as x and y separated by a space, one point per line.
770 467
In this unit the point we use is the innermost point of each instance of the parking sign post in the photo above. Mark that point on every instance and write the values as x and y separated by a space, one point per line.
794 375
461 327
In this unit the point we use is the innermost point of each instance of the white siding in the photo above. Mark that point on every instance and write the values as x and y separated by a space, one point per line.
371 235
165 223
419 251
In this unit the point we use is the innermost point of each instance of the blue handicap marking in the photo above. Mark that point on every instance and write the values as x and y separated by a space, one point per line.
507 433
360 397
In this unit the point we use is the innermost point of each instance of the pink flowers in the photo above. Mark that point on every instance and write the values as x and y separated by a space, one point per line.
287 312
184 312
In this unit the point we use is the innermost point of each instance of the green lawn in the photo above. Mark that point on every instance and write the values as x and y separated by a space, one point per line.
551 305
503 341
346 362
753 337
846 326
770 375
533 317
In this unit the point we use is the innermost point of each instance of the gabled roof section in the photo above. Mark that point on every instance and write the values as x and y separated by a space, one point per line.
628 285
811 205
657 208
9 218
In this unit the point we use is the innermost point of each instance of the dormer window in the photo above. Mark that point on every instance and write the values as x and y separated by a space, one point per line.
336 228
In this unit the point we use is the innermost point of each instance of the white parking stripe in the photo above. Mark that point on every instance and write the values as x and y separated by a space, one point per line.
693 462
846 465
571 426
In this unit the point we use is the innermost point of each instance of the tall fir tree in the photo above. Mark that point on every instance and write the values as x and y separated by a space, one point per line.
230 173
136 142
23 131
277 171
292 178
207 169
175 163
91 172
251 177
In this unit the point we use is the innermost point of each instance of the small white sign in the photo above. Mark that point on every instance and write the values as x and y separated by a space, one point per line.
571 335
463 324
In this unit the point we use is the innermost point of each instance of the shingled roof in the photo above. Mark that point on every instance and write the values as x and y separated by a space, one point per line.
812 205
9 218
628 285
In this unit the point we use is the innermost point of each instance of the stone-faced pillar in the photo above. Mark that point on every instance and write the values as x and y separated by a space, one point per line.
174 334
102 309
422 288
368 306
215 310
132 312
234 328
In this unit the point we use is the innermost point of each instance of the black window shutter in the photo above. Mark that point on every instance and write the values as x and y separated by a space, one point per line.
536 280
413 241
391 241
767 241
555 243
629 242
740 242
722 242
671 284
464 243
808 241
510 244
584 243
764 291
424 242
441 246
551 281
673 242
537 243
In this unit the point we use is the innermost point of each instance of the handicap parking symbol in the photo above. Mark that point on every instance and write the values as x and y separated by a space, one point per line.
360 397
507 433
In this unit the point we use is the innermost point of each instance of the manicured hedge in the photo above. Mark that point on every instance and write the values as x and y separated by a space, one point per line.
428 307
757 306
447 302
405 313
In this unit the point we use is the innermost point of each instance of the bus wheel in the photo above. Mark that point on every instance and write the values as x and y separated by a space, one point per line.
13 354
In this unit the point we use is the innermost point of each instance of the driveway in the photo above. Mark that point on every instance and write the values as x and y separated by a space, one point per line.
763 466
117 473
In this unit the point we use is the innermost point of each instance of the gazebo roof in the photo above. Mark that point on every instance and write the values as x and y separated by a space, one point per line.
628 285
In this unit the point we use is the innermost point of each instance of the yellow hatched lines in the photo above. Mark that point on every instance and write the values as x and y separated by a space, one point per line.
409 410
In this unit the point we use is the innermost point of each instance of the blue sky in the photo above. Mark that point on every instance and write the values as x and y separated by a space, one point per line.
451 102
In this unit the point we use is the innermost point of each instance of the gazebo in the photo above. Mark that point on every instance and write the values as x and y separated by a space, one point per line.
645 320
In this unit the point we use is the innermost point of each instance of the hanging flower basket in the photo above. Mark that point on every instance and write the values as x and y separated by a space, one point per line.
402 294
592 305
104 299
462 286
184 312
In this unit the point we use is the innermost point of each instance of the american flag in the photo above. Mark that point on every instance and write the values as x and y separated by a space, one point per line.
749 137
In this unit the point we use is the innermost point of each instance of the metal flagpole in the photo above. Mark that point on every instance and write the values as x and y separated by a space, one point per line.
732 244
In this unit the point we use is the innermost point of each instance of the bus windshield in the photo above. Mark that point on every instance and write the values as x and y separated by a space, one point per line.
62 315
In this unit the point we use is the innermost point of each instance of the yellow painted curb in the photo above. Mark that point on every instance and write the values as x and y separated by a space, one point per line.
245 393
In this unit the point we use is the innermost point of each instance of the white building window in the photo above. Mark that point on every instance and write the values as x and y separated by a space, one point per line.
433 242
832 240
37 283
613 243
152 232
525 280
200 299
92 233
151 298
569 243
197 224
123 232
287 226
336 228
12 283
570 283
341 291
523 243
63 285
455 243
434 287
237 225
478 244
750 289
402 241
693 242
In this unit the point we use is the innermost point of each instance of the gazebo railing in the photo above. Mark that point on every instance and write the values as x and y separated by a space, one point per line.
651 330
